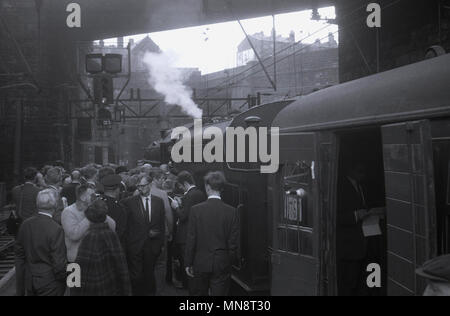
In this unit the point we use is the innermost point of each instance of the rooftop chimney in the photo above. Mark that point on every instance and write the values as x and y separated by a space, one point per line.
120 42
292 36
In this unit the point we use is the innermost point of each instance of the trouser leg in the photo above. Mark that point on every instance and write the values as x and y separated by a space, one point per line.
169 272
150 259
350 277
199 284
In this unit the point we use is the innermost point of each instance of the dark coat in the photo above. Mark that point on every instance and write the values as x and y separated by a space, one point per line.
24 197
69 192
351 243
213 237
138 232
41 255
104 270
191 198
117 212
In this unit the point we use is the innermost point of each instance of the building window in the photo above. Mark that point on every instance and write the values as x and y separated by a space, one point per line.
245 56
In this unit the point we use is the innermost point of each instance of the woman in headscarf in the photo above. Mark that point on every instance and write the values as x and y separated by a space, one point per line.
102 261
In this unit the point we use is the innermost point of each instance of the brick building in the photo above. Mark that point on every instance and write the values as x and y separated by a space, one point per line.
314 66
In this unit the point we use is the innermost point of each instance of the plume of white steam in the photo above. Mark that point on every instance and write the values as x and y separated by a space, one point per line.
168 80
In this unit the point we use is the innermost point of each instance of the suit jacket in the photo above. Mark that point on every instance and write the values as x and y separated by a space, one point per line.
138 231
41 256
118 213
27 207
69 192
351 243
168 209
213 237
191 198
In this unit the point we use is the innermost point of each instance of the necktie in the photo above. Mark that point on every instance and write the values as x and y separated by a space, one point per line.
147 211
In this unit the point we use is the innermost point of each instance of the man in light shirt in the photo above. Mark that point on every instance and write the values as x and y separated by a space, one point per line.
156 190
157 184
75 223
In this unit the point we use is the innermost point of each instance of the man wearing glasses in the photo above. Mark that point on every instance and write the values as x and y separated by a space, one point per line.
145 235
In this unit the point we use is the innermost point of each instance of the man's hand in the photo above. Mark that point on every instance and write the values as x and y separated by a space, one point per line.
378 211
361 215
190 271
175 204
154 233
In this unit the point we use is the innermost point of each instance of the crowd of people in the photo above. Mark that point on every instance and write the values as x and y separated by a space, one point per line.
121 226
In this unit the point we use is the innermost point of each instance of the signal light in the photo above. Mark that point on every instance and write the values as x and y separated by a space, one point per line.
112 63
94 63
103 89
97 63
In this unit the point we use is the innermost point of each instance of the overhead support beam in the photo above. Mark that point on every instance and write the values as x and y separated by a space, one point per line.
116 18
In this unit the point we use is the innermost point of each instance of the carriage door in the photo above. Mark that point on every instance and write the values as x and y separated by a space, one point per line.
410 204
295 218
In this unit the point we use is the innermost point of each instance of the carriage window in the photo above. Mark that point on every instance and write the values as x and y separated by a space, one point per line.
295 217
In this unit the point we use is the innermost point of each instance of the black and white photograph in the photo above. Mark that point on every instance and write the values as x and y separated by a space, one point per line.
222 153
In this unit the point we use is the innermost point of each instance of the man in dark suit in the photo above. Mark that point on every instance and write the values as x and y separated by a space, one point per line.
212 241
24 196
192 197
145 235
352 250
116 211
40 252
69 190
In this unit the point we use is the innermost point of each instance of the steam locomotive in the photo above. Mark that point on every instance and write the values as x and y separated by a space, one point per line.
397 124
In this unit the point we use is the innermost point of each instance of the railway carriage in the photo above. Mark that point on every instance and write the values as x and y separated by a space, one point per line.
398 124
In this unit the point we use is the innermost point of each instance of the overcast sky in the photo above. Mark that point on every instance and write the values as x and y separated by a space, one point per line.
214 47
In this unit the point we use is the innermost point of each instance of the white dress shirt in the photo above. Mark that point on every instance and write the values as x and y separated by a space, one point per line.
45 214
144 198
189 189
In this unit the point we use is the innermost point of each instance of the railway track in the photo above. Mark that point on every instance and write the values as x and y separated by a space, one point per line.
6 248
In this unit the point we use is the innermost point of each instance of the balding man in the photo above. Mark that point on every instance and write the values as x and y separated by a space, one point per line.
41 252
76 176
